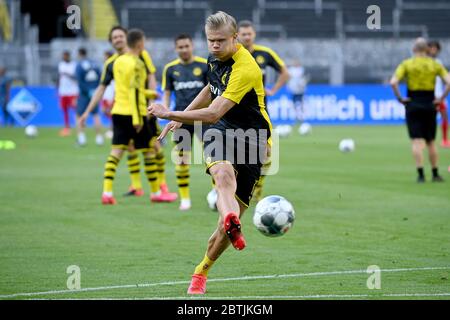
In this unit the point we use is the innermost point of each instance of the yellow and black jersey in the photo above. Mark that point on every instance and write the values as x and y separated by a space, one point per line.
266 57
239 79
420 73
186 80
130 76
107 73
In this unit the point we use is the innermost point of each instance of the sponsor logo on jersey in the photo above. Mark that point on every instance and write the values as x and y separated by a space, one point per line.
180 85
215 91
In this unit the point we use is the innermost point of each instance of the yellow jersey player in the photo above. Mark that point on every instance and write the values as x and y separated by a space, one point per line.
265 57
237 140
420 73
129 117
185 77
118 39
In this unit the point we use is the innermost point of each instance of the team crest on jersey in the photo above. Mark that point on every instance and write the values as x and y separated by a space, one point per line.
176 73
260 59
224 78
197 71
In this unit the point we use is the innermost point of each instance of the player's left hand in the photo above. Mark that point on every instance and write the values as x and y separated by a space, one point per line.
269 93
138 128
171 126
158 110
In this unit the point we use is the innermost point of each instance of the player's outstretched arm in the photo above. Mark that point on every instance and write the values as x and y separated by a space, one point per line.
166 98
212 114
202 100
98 94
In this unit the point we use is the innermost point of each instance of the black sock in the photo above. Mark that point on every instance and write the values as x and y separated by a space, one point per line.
435 172
420 172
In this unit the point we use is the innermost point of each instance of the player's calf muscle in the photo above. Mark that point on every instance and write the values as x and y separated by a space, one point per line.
224 179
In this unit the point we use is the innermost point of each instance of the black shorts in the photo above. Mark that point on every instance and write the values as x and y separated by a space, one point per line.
245 155
82 104
421 119
183 137
154 126
124 132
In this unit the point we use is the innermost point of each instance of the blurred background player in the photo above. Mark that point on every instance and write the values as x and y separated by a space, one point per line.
5 88
297 85
118 39
420 73
265 57
88 77
434 49
67 89
129 117
108 98
185 77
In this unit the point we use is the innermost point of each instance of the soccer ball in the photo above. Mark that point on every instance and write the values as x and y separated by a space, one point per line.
304 129
273 216
211 198
31 131
283 130
347 145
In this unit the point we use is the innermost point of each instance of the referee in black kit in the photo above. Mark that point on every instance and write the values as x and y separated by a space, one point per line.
420 72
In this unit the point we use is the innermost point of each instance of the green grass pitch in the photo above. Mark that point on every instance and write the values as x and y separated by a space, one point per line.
352 211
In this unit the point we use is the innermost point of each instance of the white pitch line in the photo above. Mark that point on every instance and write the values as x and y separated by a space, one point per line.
315 296
323 296
245 278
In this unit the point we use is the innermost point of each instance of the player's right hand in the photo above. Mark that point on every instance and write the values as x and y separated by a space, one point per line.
171 126
404 101
138 127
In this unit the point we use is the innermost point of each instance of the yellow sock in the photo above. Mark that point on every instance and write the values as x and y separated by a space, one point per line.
151 171
260 182
182 173
161 162
109 173
257 192
134 170
204 266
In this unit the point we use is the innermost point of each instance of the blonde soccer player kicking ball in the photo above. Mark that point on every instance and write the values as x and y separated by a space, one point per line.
233 103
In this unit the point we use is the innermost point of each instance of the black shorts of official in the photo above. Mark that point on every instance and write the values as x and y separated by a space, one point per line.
241 155
124 132
421 117
184 136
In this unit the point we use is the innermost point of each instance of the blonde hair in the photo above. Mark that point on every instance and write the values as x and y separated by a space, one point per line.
221 19
420 45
